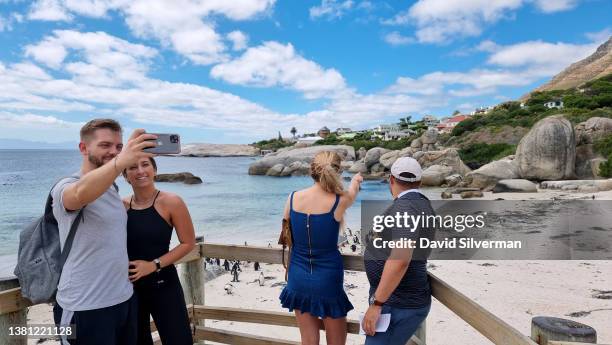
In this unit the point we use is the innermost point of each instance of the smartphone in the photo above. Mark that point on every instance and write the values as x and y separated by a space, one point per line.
166 143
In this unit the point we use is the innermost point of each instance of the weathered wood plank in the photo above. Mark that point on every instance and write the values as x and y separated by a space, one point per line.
352 262
236 338
256 316
265 317
12 301
489 325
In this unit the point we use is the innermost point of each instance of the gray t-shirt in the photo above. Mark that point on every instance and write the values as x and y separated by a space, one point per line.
95 274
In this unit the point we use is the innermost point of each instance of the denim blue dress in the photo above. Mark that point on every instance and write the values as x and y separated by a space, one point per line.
315 282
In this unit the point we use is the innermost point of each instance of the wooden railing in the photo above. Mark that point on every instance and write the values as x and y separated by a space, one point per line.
12 304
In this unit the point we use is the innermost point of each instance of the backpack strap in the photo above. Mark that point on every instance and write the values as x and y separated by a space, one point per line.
70 239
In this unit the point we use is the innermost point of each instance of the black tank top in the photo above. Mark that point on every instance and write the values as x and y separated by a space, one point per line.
148 238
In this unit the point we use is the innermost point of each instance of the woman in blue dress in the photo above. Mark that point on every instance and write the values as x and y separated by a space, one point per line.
315 284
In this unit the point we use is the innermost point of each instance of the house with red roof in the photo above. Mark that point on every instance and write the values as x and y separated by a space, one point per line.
447 125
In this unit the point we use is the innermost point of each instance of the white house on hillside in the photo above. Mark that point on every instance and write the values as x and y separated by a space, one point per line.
554 104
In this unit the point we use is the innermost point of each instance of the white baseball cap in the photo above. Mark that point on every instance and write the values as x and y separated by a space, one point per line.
407 165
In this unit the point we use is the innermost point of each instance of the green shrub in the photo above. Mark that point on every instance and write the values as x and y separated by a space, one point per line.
331 139
604 146
479 154
605 168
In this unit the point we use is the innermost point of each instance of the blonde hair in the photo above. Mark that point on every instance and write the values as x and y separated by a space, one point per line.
325 169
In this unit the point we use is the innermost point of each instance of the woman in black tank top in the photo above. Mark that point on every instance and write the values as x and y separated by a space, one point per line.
152 216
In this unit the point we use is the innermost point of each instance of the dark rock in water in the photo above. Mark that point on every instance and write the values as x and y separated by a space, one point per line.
446 195
185 177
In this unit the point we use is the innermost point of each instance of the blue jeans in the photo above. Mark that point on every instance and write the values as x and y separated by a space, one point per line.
404 322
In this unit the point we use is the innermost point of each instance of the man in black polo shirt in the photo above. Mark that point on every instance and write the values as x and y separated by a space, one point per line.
399 284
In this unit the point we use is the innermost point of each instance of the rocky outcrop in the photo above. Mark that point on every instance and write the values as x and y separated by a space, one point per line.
593 129
548 151
448 157
303 155
435 175
218 150
361 153
358 167
515 186
487 175
373 156
185 177
587 133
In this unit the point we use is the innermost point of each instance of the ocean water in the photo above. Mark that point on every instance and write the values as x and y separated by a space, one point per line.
229 207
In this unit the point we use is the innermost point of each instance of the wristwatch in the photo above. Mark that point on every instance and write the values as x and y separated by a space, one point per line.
157 264
373 301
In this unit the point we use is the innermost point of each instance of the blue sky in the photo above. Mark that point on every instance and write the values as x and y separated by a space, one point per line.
243 70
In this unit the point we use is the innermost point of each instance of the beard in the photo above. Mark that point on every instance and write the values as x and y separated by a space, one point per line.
98 161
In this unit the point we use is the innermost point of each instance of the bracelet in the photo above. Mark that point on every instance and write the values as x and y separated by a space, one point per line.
116 164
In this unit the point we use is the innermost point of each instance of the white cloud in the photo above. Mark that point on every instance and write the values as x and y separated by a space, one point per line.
239 40
32 120
439 21
548 58
108 60
49 10
187 26
275 64
549 6
599 36
397 39
331 9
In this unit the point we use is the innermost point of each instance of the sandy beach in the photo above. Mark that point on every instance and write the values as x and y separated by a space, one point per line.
515 291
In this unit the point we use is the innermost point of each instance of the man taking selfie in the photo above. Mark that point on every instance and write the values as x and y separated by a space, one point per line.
94 293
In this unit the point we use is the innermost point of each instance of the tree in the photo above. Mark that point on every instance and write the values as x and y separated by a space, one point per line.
280 138
456 112
293 131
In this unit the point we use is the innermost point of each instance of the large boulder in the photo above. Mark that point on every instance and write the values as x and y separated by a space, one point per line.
593 129
430 136
275 170
487 175
361 153
416 143
358 167
296 169
389 158
377 168
305 154
373 155
435 175
406 152
587 133
515 185
548 151
449 157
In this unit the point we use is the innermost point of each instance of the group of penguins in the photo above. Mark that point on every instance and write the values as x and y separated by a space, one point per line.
233 266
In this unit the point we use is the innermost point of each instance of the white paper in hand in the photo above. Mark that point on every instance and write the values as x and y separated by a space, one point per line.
381 325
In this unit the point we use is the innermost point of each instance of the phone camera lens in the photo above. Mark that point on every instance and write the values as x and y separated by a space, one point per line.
174 139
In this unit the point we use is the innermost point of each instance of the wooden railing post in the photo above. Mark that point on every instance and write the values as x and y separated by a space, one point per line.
16 318
545 329
193 279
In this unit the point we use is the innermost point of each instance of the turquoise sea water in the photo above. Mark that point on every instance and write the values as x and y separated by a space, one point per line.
229 207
